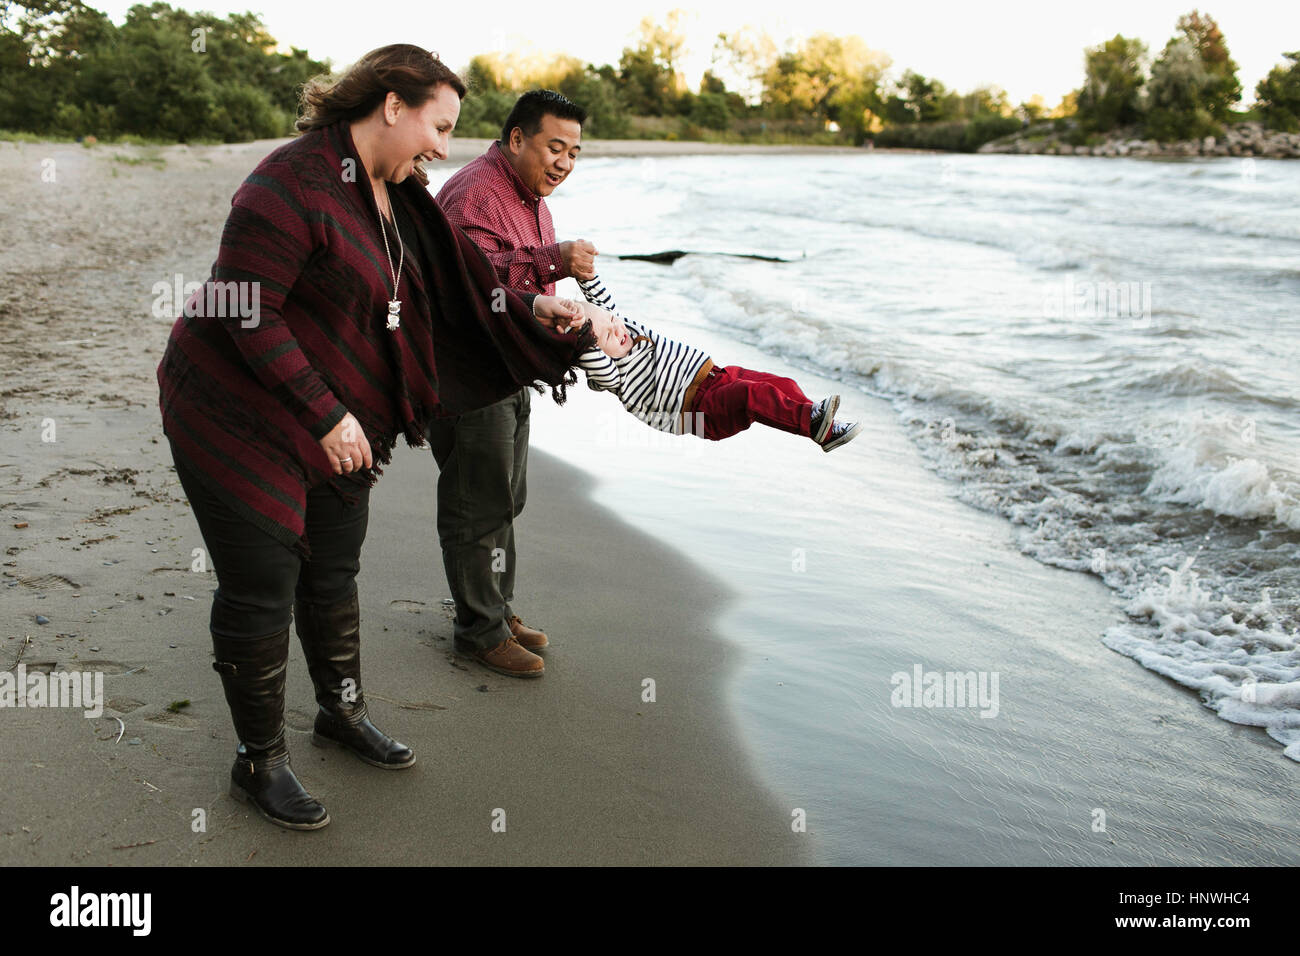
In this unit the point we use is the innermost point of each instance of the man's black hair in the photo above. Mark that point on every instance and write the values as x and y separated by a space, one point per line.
532 106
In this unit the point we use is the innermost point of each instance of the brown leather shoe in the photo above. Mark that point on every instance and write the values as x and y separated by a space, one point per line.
528 637
511 659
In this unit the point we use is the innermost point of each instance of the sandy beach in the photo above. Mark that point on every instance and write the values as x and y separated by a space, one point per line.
585 771
743 733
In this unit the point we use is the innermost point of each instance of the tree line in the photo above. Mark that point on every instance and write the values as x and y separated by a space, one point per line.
67 69
824 88
1187 92
164 73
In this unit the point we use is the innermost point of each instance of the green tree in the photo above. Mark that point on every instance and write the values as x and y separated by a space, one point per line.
163 73
480 76
665 42
643 83
1222 88
597 91
157 84
1113 78
917 99
1193 82
829 78
746 55
484 111
1178 92
649 78
1277 97
44 48
712 83
710 110
242 112
984 101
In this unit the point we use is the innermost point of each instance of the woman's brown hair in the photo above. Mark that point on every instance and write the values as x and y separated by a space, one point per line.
409 71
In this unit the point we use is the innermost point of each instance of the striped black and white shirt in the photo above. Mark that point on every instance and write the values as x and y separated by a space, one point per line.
651 380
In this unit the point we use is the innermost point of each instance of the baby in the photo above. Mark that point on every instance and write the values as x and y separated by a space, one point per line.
676 388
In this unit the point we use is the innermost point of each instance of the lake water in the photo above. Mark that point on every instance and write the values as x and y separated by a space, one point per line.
1103 353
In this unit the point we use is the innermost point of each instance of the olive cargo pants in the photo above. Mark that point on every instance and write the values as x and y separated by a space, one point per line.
482 459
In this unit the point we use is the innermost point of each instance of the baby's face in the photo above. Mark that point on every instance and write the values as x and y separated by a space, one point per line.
612 336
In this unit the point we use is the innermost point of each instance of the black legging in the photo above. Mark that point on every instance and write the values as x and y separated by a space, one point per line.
258 577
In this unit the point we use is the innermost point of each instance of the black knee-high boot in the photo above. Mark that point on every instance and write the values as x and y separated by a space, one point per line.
253 675
331 642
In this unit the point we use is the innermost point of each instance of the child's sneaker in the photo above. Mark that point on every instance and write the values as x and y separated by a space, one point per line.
840 433
823 416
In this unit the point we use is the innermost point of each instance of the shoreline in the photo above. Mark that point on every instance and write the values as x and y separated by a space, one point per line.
462 149
1244 141
1249 140
1084 761
773 684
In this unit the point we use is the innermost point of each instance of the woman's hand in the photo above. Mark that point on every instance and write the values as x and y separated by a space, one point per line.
557 313
347 447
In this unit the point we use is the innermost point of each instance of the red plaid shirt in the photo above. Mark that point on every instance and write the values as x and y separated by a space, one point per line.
507 220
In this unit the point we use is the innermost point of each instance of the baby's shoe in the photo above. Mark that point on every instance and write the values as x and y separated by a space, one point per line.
823 416
840 433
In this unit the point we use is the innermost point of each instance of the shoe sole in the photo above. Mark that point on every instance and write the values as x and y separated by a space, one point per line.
244 797
500 670
325 743
509 673
844 439
827 420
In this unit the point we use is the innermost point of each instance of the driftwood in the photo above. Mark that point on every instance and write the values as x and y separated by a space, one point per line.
670 256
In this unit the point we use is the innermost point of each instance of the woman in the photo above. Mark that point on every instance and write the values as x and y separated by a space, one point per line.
373 315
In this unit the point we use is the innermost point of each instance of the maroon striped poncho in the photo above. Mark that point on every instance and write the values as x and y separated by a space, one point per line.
245 401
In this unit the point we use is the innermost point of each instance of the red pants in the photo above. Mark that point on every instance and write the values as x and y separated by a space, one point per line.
731 399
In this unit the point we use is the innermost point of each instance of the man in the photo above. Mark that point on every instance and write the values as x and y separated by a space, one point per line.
499 202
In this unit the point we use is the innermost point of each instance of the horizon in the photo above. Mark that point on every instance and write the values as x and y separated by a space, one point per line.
1019 48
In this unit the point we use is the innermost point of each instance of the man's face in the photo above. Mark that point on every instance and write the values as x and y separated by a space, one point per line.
545 159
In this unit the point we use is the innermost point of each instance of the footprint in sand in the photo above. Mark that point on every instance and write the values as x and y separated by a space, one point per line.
104 667
124 705
175 721
48 582
41 667
415 607
296 719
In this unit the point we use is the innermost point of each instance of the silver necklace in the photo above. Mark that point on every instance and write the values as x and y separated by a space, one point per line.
394 304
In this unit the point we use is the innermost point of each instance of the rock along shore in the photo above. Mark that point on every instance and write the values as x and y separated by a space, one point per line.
1243 139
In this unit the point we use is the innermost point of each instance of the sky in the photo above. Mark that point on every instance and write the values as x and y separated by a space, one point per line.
1025 46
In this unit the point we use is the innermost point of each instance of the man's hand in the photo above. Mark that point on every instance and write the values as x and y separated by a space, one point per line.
579 258
347 447
557 313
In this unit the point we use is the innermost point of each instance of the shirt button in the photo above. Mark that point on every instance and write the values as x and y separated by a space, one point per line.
528 282
552 268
